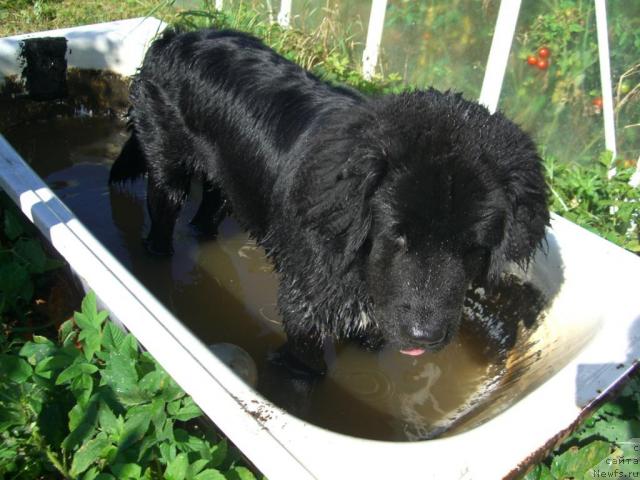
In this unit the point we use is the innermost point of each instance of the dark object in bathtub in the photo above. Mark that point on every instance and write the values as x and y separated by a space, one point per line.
45 70
377 212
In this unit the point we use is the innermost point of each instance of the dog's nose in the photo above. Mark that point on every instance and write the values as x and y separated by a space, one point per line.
426 335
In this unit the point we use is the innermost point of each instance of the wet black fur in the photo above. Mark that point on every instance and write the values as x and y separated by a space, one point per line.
377 212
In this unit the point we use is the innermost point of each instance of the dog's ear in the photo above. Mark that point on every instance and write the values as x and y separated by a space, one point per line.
525 215
336 198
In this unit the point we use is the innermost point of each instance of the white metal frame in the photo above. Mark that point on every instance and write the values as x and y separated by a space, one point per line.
499 53
284 16
374 38
605 80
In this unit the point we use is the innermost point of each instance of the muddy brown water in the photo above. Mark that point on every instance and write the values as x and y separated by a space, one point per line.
224 290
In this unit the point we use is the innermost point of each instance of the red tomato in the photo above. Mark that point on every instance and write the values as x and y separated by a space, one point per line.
531 60
597 102
543 64
544 52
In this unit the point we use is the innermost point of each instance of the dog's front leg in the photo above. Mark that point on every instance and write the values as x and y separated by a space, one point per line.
302 357
212 210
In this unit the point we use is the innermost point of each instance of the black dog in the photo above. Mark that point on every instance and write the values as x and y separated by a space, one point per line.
377 212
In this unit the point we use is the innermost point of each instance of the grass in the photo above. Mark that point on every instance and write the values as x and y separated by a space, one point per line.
22 16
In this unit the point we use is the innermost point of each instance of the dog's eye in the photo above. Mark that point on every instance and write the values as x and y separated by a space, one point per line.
401 243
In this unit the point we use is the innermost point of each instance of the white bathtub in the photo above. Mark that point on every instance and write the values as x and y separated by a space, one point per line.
585 347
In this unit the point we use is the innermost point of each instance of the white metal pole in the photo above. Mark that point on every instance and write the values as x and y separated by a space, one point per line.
605 81
634 181
374 37
284 16
219 4
499 53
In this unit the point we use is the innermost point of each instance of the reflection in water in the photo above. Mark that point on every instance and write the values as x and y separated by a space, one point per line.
224 290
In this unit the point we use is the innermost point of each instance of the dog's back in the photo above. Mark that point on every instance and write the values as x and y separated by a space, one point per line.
222 105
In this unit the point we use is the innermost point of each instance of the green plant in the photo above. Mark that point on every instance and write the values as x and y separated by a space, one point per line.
585 195
92 406
562 102
324 51
22 261
598 448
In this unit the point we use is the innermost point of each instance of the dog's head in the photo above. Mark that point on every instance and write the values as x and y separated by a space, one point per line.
438 194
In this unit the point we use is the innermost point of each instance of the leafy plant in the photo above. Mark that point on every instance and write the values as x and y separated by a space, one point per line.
92 406
609 207
22 260
562 103
324 51
601 445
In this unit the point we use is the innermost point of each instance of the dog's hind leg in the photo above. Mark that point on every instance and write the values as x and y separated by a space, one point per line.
212 210
164 201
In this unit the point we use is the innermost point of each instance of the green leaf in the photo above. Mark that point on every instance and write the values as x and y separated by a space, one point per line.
13 225
154 381
188 410
177 468
74 371
14 368
190 443
576 462
196 467
172 391
90 320
158 414
613 428
218 453
67 333
12 414
127 471
129 346
165 432
173 407
240 473
168 452
82 388
121 376
539 472
112 337
135 426
108 421
90 474
30 251
88 453
210 474
38 349
89 311
47 365
91 340
83 420
15 283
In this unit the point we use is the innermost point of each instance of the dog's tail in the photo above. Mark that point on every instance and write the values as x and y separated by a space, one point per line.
131 162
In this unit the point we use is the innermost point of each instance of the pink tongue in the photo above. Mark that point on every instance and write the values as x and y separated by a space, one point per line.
414 352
